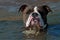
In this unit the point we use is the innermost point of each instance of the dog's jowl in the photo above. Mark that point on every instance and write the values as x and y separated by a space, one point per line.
35 17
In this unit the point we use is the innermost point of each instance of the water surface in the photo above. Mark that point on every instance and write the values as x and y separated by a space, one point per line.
10 30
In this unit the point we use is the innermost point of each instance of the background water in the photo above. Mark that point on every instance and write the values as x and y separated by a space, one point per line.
10 30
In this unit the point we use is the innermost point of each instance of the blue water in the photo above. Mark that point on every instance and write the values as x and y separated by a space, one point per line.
10 8
10 30
54 32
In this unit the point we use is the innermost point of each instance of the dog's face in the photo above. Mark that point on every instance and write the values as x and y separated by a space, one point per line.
37 12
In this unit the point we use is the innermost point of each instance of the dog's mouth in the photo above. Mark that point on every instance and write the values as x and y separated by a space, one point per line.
35 20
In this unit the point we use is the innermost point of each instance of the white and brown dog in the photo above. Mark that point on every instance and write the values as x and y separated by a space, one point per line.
35 16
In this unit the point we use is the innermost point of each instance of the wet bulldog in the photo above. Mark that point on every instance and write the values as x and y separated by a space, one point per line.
35 16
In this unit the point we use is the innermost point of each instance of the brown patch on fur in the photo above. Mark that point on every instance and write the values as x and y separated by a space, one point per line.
27 11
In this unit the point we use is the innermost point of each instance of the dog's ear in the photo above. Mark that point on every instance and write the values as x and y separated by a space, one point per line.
22 8
47 8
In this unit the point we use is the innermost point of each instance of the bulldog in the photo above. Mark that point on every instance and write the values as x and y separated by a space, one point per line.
35 16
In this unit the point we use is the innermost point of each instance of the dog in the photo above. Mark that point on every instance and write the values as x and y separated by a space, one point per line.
35 16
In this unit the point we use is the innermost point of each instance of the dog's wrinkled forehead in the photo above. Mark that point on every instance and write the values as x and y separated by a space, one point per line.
31 10
26 9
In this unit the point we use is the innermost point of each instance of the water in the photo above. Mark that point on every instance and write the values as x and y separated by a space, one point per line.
10 30
54 32
9 8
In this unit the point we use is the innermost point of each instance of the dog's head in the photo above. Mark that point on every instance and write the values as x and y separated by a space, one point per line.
39 12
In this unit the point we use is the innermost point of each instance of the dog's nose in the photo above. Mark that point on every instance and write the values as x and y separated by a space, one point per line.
34 14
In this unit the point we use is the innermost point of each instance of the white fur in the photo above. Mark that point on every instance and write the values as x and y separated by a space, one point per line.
35 9
28 20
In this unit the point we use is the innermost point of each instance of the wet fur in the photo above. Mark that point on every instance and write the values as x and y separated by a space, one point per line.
44 10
